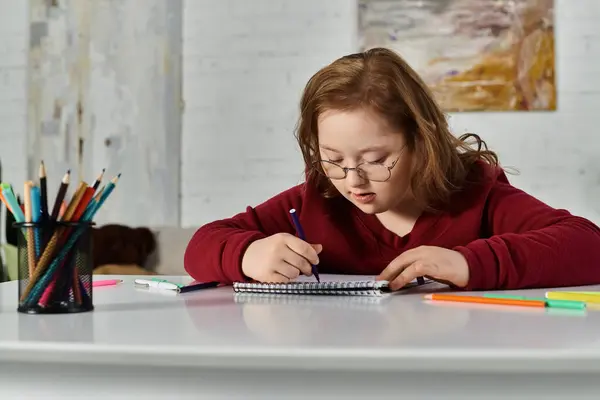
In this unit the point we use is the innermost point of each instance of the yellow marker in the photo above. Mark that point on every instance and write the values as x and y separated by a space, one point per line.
590 293
577 296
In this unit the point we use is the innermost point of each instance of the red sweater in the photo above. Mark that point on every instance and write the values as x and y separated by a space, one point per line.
510 239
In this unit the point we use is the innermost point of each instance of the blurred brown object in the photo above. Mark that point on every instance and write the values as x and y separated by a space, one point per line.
122 250
114 269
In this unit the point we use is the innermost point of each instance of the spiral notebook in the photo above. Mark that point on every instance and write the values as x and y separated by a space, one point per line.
308 300
367 287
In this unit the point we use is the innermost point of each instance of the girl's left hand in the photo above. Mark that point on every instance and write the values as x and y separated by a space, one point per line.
436 263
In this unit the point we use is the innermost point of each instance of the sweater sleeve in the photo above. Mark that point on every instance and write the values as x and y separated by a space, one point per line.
531 245
215 251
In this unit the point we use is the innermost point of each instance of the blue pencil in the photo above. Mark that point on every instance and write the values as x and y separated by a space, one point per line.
36 216
301 235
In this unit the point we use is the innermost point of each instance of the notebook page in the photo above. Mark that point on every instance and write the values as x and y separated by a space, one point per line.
338 278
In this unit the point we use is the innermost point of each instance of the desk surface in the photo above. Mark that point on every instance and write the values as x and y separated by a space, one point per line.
217 328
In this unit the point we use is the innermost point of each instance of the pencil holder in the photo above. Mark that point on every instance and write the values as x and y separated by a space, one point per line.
55 267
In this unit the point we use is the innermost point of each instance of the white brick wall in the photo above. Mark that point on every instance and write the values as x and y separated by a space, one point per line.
13 94
13 89
247 61
245 65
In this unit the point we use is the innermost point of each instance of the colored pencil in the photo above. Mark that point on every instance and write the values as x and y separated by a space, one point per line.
107 282
5 202
570 304
110 186
484 300
301 235
77 196
12 201
98 179
83 204
29 230
36 218
43 192
62 191
63 208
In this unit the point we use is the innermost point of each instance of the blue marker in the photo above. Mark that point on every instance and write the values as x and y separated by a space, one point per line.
301 235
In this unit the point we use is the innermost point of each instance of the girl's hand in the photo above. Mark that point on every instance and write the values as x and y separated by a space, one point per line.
436 263
279 258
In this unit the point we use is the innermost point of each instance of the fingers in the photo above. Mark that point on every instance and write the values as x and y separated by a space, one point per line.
412 272
287 270
399 264
318 247
302 248
276 277
298 262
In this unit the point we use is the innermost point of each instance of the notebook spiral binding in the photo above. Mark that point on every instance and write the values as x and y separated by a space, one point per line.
349 288
353 302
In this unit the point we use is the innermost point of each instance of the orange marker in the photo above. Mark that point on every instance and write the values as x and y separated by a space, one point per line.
485 300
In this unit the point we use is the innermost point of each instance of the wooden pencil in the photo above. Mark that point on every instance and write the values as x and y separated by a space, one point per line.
98 179
63 208
62 191
74 201
484 300
81 207
76 290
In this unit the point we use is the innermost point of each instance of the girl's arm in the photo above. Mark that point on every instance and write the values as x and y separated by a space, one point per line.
215 251
531 244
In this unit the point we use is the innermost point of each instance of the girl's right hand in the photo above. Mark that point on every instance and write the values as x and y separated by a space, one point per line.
279 258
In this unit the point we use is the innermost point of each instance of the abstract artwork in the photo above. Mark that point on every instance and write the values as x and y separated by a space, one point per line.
475 55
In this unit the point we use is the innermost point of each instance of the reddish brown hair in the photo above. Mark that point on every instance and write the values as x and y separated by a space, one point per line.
380 80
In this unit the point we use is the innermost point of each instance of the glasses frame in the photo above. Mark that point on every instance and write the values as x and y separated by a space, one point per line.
358 170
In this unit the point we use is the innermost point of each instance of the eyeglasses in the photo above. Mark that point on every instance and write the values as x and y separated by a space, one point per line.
376 172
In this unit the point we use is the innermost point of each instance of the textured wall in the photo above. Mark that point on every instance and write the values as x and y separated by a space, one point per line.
244 67
104 91
246 63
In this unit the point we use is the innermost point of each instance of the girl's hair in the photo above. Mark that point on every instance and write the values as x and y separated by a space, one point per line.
380 80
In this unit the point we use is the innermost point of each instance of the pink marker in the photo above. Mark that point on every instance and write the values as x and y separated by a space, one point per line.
108 282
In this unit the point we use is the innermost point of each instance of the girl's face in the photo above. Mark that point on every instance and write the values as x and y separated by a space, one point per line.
360 138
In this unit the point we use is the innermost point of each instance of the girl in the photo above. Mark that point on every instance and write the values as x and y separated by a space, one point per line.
391 192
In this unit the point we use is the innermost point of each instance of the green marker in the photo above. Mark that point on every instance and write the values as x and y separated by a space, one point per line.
166 281
569 304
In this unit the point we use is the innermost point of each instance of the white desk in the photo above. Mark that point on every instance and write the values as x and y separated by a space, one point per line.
140 344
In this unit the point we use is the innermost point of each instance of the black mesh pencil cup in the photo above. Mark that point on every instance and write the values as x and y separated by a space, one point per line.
55 267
